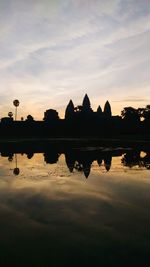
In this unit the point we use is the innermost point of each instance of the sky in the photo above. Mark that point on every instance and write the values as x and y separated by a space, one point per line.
52 51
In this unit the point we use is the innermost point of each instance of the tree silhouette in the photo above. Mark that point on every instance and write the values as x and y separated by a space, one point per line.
10 114
50 115
78 108
146 113
80 121
16 104
130 113
30 118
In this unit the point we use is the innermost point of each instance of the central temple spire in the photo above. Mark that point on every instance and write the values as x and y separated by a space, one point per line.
86 103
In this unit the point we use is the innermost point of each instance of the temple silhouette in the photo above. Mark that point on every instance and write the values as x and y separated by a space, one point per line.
79 122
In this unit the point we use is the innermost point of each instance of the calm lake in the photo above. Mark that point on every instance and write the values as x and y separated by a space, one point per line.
84 206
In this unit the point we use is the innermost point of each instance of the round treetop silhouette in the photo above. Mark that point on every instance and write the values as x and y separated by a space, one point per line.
16 104
10 114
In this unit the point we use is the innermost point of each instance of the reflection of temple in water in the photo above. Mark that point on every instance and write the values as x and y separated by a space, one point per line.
81 159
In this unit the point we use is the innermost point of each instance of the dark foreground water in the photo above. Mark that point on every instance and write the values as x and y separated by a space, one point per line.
87 207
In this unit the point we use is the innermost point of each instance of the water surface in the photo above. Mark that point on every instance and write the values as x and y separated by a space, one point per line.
86 206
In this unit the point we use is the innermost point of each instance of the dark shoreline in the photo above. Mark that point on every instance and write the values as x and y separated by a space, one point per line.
125 141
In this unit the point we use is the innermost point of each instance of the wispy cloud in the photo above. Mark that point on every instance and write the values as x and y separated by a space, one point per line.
133 99
56 50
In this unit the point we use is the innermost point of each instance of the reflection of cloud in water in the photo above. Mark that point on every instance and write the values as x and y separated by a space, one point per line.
81 215
46 212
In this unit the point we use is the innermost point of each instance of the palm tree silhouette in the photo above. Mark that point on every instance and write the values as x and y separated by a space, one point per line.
16 104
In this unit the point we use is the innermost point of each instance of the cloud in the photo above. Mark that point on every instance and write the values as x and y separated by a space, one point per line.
63 50
133 99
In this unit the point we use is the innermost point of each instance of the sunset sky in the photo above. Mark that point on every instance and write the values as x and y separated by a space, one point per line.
52 51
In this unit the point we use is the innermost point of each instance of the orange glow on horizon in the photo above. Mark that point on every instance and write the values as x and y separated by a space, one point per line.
38 112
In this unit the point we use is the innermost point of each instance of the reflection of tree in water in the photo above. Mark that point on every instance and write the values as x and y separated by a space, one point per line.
133 158
81 159
30 155
147 160
51 157
16 170
78 166
10 157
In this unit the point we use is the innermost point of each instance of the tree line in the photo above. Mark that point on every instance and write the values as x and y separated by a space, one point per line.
80 121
